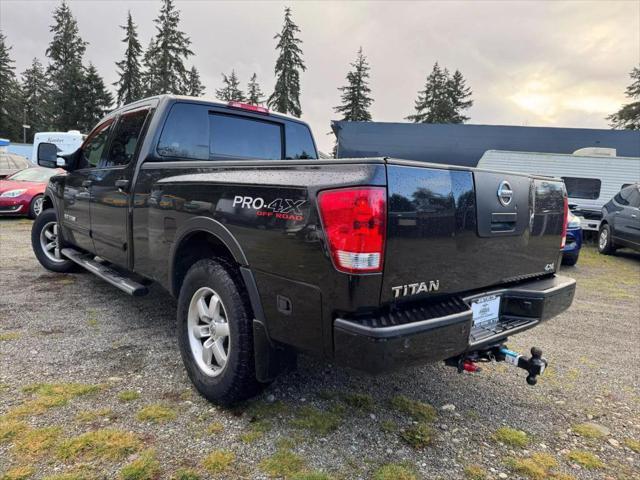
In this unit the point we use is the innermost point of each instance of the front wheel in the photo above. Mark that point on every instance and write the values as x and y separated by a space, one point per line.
215 333
35 207
45 242
605 242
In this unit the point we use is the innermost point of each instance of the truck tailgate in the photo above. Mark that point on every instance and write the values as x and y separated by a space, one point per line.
449 232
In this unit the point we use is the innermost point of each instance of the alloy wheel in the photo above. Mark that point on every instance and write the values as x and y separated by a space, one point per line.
49 242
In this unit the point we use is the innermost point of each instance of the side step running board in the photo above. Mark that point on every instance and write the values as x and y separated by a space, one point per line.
115 278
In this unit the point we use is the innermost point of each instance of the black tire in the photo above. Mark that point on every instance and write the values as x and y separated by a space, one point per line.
570 259
605 242
34 201
42 222
236 381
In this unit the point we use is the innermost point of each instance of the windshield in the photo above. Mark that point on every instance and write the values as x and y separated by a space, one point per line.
33 175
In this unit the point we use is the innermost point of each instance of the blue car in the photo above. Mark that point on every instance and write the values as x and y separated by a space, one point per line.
571 250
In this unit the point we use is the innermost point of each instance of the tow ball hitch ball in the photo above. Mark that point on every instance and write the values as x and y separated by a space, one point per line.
534 365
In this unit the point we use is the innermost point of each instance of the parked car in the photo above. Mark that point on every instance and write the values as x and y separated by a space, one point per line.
21 194
573 244
10 163
620 226
376 263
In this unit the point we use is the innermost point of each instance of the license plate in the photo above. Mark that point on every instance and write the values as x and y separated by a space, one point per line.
486 310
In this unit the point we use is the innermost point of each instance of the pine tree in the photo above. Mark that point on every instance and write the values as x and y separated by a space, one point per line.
286 95
65 69
231 91
254 93
36 91
164 60
129 86
460 96
356 98
195 88
628 117
10 111
97 100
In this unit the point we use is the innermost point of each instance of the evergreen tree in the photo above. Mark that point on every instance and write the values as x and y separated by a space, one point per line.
164 60
460 96
286 95
231 91
65 69
443 99
129 86
195 88
97 100
10 111
36 92
628 117
356 98
254 93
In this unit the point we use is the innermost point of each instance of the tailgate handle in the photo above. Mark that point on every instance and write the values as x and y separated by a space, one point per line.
503 222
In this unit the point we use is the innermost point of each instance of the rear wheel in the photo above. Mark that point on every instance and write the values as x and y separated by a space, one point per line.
605 242
215 333
45 242
35 207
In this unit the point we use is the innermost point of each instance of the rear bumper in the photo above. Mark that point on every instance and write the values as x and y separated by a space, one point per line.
431 332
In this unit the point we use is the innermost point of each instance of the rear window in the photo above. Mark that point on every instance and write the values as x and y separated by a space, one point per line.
195 132
586 188
240 137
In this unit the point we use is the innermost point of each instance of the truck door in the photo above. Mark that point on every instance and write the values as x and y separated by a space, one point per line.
111 188
76 219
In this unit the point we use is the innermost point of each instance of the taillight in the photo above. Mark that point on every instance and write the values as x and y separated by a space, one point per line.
354 221
565 220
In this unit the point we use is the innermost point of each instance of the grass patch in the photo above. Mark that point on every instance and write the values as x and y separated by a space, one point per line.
535 467
511 437
629 443
218 461
9 428
417 410
418 436
92 318
475 472
588 430
80 473
215 427
89 416
318 421
361 401
8 336
50 395
37 441
128 396
311 476
394 471
283 463
257 431
186 474
18 473
388 426
107 444
586 459
261 410
145 467
156 413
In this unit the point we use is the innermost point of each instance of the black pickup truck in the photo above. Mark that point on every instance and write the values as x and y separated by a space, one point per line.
373 263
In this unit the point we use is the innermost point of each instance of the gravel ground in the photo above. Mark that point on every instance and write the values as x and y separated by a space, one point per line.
61 329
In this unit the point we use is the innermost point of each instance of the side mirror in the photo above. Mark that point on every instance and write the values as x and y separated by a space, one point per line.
48 156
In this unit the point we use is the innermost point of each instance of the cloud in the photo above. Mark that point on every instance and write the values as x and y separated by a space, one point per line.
561 63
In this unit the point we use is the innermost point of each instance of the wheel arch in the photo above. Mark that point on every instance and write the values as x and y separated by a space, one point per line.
201 237
47 202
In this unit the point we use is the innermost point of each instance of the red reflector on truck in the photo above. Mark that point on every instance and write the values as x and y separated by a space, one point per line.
248 106
354 221
565 219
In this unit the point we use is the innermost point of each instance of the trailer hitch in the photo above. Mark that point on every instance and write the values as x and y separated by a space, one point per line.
534 365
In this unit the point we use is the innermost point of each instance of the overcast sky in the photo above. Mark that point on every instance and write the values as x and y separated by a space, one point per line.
560 64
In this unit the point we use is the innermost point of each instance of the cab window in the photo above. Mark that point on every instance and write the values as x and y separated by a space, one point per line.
125 139
93 148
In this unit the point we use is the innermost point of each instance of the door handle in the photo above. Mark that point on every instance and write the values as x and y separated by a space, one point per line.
87 183
122 184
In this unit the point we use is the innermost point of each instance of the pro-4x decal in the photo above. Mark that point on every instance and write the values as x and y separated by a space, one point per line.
284 208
